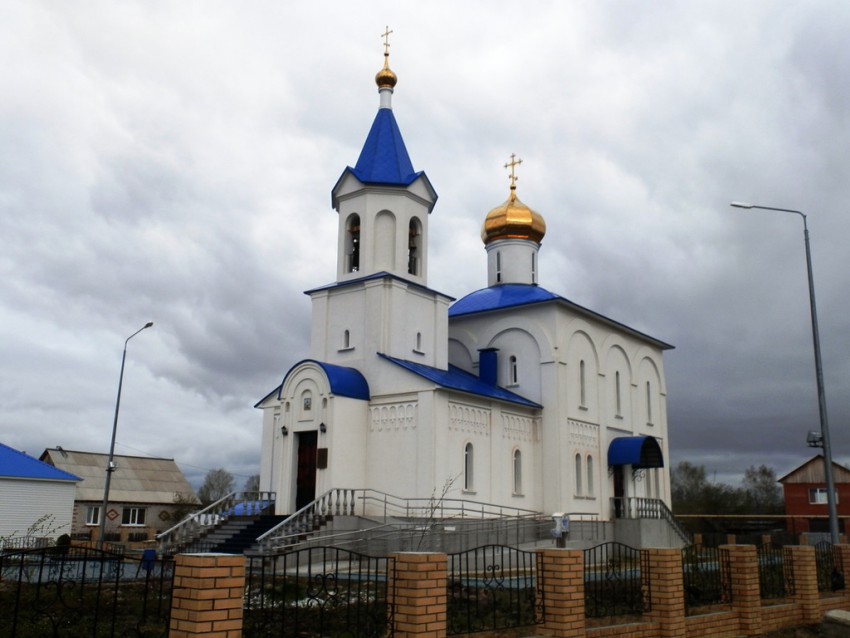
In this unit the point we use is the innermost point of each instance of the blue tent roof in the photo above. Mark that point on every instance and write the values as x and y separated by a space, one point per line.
14 464
637 451
384 158
502 296
456 379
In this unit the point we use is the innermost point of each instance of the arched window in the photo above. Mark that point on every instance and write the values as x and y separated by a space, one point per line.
414 246
498 267
619 397
578 475
533 268
589 464
467 467
517 472
346 339
418 342
513 374
582 384
352 243
306 404
648 403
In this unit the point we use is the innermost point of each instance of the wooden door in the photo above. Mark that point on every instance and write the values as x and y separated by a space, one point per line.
305 490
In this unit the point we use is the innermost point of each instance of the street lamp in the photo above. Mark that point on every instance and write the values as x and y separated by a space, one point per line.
110 465
824 423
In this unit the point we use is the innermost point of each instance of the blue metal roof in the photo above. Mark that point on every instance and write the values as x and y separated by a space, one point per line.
384 158
344 382
513 295
456 379
501 296
637 451
14 464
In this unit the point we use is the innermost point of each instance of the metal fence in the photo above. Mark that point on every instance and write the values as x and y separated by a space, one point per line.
830 576
705 576
616 581
490 588
776 572
320 591
83 592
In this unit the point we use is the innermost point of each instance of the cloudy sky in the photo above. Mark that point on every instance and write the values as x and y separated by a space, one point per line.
172 162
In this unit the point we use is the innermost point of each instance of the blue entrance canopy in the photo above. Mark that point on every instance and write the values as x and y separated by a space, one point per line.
637 451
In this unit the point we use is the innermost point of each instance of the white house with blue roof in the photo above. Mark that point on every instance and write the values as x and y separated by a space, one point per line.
35 498
513 395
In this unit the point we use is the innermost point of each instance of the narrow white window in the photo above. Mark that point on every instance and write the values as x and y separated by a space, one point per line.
589 464
582 384
498 267
346 340
533 268
617 394
578 475
352 242
418 342
517 472
414 246
93 515
467 467
513 375
648 403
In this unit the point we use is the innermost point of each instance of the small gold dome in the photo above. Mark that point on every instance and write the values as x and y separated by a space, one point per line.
385 78
513 220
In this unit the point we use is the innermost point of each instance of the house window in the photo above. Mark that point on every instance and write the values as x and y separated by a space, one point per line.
582 384
513 375
346 340
817 496
533 268
578 475
414 246
517 472
619 397
498 267
589 464
133 516
353 243
648 403
418 347
93 515
467 467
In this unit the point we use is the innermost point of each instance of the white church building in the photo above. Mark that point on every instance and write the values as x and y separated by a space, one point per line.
511 395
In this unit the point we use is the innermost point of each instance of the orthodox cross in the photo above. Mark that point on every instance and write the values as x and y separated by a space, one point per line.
512 165
386 36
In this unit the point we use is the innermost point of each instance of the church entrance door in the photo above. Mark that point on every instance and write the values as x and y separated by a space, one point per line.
305 481
619 491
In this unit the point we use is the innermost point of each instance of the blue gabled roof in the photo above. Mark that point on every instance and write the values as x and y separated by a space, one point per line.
501 296
504 296
17 465
456 379
384 158
344 382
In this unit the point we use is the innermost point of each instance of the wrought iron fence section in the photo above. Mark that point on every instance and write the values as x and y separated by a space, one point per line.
616 581
705 576
319 591
81 591
776 573
490 588
830 575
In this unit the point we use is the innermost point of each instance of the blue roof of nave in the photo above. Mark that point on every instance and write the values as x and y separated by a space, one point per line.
14 464
501 296
457 379
384 158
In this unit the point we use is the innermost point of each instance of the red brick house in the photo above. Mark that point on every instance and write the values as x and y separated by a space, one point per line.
805 492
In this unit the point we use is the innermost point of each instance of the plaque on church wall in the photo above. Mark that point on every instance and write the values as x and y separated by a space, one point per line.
322 458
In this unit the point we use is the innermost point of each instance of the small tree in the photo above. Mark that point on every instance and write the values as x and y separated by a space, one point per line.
252 483
184 504
217 484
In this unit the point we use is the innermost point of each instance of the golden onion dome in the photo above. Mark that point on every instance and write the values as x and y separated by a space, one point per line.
385 78
513 220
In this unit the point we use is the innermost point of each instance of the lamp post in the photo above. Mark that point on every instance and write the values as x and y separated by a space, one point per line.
110 465
824 423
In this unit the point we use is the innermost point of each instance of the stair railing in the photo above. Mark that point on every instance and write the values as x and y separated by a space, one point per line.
197 524
654 508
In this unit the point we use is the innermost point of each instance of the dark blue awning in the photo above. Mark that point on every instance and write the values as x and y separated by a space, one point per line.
637 451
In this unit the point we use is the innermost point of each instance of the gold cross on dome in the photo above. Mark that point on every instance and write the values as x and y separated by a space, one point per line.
386 36
512 165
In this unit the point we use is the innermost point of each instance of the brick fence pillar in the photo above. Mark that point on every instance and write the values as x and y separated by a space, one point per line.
667 592
418 594
207 596
841 555
746 595
806 581
560 577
